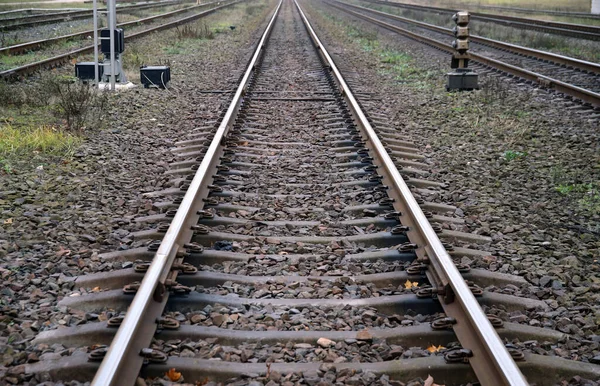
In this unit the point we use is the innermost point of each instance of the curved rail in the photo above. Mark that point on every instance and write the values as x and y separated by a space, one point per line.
566 29
29 46
582 94
554 58
137 329
56 60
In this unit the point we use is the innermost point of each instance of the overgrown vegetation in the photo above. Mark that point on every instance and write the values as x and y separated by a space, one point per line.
42 139
578 186
46 116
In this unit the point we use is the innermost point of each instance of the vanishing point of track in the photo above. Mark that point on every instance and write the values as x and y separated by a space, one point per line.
293 208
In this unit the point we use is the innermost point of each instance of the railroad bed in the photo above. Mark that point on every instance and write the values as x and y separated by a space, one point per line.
299 252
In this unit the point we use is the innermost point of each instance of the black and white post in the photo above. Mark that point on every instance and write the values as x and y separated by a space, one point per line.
462 78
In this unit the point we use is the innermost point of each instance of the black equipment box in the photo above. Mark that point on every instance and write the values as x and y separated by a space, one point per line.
157 76
85 70
105 41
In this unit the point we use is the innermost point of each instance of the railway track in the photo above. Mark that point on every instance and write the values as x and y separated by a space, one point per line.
57 60
542 12
294 242
571 77
11 24
580 31
38 44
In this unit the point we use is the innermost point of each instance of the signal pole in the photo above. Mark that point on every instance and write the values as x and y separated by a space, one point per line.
462 78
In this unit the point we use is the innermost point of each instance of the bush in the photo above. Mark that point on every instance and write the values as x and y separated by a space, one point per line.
77 103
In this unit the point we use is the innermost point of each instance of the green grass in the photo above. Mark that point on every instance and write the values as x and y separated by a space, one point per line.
41 139
511 155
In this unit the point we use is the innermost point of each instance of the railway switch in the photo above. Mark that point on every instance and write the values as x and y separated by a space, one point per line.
462 78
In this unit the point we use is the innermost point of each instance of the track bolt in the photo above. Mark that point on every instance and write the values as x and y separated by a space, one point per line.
193 247
153 246
495 321
463 268
98 352
153 356
443 323
407 247
211 201
131 288
115 321
386 201
171 213
163 227
416 269
206 214
177 200
184 268
141 267
392 216
201 229
400 230
516 354
460 355
217 178
167 324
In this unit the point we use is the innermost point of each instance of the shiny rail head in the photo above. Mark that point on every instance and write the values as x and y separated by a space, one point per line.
494 360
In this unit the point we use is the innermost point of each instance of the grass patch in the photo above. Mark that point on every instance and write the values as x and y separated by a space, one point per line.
511 155
41 139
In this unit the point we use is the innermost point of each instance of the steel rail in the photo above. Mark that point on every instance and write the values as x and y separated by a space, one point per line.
56 60
71 15
29 46
491 361
586 96
138 327
543 12
581 30
554 58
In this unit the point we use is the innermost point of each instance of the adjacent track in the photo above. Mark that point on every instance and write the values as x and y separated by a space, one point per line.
59 59
297 212
581 31
572 77
37 44
33 20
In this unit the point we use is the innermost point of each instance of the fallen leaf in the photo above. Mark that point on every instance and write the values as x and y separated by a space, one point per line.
429 382
173 375
63 252
8 221
411 284
96 289
433 349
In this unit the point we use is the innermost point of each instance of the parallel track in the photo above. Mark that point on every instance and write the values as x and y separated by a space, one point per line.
37 44
57 60
34 20
298 218
581 31
581 82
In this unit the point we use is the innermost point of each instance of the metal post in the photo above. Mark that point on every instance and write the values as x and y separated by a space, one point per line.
96 73
112 15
